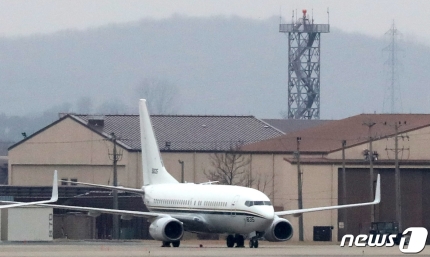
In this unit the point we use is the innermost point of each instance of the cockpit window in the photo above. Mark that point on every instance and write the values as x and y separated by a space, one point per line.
251 203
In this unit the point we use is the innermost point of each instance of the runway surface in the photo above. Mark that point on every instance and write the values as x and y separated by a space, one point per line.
187 248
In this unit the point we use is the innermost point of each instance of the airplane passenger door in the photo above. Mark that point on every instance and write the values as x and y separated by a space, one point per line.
234 206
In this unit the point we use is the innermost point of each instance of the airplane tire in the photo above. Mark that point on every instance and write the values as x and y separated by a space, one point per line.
240 241
230 241
165 244
176 243
253 243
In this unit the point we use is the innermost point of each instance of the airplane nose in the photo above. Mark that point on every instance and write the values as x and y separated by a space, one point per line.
269 214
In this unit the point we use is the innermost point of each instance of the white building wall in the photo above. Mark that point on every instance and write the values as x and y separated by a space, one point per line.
28 224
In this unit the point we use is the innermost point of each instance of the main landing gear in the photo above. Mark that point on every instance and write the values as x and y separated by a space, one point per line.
236 239
174 244
253 243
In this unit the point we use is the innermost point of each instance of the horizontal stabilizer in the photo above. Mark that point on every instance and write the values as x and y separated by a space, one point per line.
54 197
119 188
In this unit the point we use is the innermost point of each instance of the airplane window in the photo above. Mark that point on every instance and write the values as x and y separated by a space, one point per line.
249 203
267 203
258 202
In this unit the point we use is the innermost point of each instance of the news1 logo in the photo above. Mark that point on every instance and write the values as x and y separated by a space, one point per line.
417 240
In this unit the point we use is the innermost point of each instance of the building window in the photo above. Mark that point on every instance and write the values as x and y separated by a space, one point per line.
73 180
64 182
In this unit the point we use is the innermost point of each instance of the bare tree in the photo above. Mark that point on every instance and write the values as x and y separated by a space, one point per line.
234 168
161 95
261 182
230 168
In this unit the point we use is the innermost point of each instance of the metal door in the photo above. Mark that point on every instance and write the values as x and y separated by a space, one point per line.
234 206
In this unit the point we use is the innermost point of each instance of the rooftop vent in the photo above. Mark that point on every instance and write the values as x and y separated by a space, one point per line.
96 121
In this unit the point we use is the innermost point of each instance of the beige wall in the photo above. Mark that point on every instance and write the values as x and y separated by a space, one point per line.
414 143
73 150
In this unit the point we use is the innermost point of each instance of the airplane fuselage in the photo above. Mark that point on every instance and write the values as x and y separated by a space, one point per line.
212 208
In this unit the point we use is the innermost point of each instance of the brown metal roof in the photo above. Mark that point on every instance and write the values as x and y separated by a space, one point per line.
291 125
328 136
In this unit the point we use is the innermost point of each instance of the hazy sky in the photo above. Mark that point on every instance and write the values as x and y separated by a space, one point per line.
24 17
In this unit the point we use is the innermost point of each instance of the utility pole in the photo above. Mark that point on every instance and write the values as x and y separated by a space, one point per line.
115 157
370 124
397 179
299 183
345 212
182 171
396 150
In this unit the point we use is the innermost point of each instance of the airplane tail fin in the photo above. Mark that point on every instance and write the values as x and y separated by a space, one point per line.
153 168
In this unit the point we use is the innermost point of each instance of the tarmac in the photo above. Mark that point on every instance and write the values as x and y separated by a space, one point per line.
187 248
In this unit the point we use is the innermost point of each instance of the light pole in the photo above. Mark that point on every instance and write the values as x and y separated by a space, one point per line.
299 183
182 171
370 124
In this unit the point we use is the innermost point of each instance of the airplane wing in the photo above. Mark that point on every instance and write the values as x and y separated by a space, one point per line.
54 197
95 211
300 211
119 188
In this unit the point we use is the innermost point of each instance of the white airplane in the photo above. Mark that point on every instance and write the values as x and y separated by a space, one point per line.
54 197
202 208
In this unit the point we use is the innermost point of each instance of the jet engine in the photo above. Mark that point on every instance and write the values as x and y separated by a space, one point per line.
166 229
280 230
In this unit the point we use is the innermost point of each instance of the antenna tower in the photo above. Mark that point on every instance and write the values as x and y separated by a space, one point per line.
304 66
392 67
